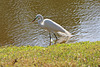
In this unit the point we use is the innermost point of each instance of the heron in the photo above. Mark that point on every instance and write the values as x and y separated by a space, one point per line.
52 27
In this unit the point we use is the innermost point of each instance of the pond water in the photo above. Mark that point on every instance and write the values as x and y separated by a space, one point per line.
80 17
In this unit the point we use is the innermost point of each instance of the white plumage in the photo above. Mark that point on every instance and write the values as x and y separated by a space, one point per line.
52 27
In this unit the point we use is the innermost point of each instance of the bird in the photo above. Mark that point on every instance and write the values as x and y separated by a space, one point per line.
52 27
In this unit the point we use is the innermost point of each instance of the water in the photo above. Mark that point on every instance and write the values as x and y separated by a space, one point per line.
80 17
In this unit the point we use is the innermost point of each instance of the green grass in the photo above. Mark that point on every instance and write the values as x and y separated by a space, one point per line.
82 54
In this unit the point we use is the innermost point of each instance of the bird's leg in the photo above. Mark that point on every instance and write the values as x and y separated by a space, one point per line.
56 37
50 39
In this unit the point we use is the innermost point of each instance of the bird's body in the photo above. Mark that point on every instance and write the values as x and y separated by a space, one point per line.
51 26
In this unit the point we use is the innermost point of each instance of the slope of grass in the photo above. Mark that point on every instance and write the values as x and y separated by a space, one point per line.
82 54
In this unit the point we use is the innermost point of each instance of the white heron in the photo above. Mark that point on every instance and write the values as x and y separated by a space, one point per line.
52 27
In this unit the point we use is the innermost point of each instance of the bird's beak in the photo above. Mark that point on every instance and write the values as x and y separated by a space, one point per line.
34 19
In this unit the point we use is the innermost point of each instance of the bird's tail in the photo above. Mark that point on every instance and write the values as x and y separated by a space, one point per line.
66 35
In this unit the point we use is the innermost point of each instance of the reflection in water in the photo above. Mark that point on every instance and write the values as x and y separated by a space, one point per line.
81 18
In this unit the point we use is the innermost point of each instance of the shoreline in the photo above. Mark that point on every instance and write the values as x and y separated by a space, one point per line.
73 54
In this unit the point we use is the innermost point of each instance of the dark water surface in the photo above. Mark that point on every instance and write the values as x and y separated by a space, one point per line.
80 17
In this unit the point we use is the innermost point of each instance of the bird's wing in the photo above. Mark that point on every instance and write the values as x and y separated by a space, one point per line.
52 26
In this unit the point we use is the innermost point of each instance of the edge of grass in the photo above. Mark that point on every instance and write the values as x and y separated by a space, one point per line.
70 55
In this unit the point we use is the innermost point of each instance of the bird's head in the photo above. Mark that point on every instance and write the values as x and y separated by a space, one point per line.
37 16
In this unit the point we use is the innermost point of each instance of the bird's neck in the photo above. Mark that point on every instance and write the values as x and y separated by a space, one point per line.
40 19
40 22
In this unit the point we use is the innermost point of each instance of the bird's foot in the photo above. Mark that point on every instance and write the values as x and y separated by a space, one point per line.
50 44
56 41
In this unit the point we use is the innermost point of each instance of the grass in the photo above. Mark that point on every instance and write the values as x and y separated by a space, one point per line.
82 54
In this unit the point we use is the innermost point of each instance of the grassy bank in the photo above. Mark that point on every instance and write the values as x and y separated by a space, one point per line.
69 55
